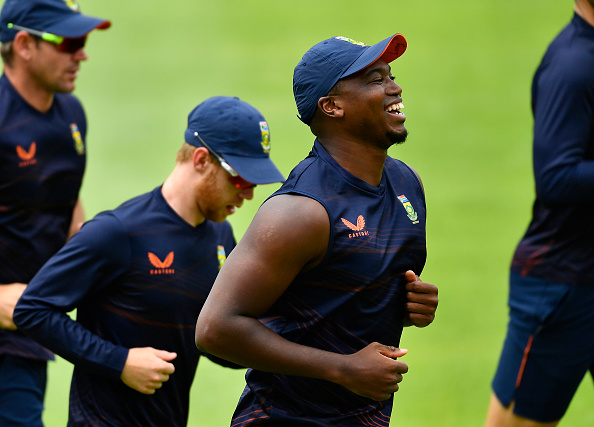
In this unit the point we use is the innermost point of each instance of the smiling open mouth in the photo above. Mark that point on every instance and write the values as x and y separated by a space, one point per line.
395 108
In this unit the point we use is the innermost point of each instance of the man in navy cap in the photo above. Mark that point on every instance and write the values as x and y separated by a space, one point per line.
315 295
42 161
138 275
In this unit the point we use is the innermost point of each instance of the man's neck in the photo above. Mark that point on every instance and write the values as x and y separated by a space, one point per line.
35 96
363 161
585 8
180 194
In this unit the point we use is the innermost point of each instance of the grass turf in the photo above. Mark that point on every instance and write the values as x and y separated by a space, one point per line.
466 79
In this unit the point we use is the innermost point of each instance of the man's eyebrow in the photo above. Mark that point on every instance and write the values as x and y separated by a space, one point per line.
379 70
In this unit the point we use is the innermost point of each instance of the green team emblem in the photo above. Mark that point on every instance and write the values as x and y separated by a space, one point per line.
73 5
79 145
221 255
350 40
410 211
265 137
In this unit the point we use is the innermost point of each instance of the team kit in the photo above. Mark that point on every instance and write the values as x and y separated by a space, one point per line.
312 300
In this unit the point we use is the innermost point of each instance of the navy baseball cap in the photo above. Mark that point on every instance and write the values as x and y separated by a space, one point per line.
237 132
327 62
59 17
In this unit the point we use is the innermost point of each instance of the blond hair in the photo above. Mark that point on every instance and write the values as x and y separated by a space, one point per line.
185 153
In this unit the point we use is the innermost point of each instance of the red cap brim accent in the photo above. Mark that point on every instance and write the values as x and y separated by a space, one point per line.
394 49
104 25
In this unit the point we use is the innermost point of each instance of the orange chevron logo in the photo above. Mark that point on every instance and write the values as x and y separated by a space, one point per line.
27 156
357 228
161 267
360 223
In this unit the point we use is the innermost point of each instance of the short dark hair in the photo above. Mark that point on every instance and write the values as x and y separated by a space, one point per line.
7 52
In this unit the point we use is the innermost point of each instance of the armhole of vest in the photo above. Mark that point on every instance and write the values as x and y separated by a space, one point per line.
417 176
332 233
330 237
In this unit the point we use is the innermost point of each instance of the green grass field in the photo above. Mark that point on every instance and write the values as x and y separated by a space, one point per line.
466 79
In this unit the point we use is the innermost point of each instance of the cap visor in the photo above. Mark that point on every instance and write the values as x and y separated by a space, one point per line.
388 50
257 170
78 25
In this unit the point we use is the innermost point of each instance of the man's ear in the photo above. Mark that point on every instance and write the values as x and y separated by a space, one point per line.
330 106
201 158
23 45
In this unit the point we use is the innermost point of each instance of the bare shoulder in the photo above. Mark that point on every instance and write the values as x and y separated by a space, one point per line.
290 224
295 206
288 235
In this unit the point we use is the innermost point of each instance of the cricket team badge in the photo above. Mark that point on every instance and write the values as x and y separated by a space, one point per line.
72 4
351 41
265 137
221 255
79 145
410 211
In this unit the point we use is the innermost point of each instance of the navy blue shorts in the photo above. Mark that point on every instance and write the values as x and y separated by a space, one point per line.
548 349
22 388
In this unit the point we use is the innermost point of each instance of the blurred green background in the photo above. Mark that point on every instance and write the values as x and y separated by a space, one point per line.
466 77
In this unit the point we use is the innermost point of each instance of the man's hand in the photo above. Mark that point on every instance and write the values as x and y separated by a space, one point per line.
147 368
421 301
9 295
373 371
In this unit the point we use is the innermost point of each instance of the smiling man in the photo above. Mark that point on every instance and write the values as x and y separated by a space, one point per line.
42 162
316 293
138 275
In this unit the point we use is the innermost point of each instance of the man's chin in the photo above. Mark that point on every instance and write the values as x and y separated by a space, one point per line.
65 88
398 137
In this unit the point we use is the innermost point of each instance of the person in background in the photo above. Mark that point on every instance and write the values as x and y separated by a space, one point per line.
549 346
42 161
138 275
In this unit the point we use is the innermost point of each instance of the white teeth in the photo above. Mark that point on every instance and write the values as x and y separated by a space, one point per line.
395 107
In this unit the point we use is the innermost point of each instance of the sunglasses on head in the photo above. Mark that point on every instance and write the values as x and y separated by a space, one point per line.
63 44
234 178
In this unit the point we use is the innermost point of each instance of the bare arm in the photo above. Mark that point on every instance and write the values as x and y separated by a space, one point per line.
9 295
288 235
78 217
